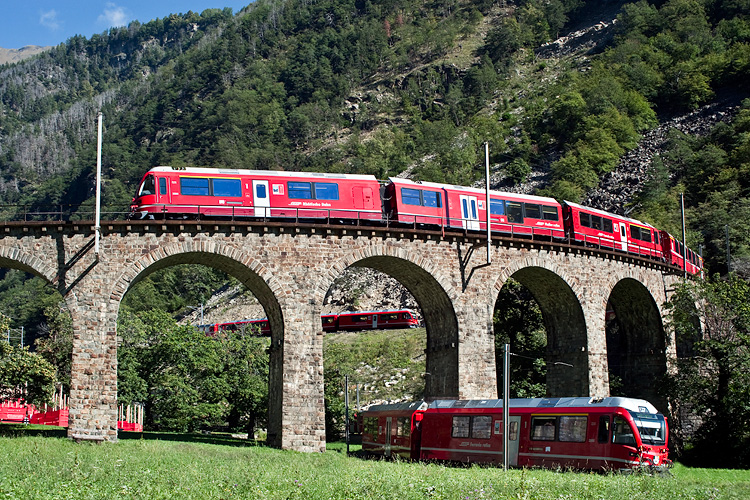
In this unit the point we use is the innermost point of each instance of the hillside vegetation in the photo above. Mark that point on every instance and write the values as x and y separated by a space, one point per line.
377 87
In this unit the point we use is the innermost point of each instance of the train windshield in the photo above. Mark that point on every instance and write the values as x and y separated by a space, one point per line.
148 186
652 427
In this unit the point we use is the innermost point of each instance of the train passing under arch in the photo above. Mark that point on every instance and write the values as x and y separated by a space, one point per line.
170 192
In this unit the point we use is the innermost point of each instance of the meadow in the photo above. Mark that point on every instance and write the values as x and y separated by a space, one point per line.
44 467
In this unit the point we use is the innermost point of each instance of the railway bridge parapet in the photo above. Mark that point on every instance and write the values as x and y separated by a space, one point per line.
289 268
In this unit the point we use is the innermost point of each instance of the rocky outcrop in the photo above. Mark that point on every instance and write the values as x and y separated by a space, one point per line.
618 188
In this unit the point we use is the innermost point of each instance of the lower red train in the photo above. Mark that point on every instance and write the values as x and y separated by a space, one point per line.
578 433
171 192
349 321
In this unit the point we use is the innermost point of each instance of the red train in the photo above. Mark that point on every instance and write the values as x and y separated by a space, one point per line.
578 433
206 192
350 321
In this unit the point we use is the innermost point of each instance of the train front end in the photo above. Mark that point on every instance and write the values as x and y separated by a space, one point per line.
653 431
146 201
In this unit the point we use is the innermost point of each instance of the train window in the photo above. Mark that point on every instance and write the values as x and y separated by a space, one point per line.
329 320
371 426
513 431
162 185
533 211
431 199
391 316
460 427
550 213
585 219
573 428
411 196
260 191
326 191
403 427
299 190
640 233
596 222
603 436
623 433
607 225
148 186
227 187
497 207
515 211
543 428
481 427
194 186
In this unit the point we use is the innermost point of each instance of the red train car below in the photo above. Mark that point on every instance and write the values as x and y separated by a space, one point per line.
350 321
578 433
376 320
393 429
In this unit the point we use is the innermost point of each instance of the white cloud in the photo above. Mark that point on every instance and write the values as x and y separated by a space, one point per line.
113 15
49 20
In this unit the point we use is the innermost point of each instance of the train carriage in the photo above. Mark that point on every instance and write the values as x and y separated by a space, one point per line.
578 433
393 429
675 253
173 192
590 226
376 320
463 207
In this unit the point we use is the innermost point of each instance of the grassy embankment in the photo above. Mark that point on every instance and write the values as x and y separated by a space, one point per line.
37 467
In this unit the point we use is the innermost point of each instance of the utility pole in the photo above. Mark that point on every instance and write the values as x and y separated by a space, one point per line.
487 199
97 218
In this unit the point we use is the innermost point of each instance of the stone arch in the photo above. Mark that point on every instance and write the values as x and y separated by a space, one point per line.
423 279
637 342
234 262
15 258
564 320
253 275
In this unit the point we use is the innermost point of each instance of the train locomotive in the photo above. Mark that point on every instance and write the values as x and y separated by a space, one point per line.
610 433
170 192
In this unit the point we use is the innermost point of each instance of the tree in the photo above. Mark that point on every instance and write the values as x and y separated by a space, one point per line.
713 377
26 375
518 321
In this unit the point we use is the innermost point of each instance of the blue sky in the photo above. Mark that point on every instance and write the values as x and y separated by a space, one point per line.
45 22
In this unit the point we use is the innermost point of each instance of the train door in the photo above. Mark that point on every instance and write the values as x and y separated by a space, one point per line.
387 444
623 237
262 199
163 190
374 321
514 426
362 197
469 212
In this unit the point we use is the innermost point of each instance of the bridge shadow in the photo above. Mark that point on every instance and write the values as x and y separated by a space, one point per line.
191 437
13 430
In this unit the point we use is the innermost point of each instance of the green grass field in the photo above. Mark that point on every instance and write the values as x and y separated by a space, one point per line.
43 467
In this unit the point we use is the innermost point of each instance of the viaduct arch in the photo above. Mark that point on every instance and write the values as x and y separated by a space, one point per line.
290 267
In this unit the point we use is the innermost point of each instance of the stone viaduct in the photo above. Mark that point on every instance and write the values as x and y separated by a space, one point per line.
290 268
